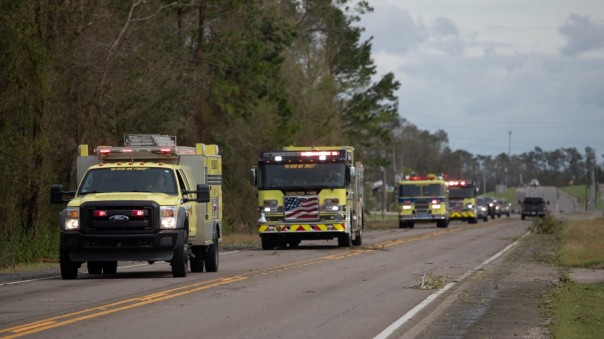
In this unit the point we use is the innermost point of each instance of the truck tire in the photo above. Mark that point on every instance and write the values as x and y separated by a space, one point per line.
267 243
109 267
94 267
212 255
197 260
344 240
358 238
69 269
442 223
179 261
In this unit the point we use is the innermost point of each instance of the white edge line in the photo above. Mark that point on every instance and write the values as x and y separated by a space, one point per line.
411 313
58 276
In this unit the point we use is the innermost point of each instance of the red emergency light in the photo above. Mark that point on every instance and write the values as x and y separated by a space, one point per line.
138 213
459 183
99 214
422 177
318 153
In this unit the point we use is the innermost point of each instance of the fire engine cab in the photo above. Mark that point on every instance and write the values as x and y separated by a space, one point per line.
423 199
462 200
309 193
149 200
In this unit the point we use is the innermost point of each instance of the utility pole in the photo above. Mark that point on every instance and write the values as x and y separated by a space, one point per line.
509 144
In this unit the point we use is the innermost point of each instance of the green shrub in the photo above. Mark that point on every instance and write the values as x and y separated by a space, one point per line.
547 225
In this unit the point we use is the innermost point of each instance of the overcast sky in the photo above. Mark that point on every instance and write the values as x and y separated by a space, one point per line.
480 69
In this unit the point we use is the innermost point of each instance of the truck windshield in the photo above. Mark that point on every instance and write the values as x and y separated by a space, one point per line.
417 190
461 192
120 179
302 175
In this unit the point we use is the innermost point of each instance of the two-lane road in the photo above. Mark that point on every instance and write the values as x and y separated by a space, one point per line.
316 291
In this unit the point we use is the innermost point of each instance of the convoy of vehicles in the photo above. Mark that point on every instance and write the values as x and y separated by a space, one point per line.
149 200
423 199
462 201
308 193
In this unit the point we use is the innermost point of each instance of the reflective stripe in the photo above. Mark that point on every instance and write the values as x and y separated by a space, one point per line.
301 228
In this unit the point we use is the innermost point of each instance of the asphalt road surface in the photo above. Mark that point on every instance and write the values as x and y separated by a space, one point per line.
315 291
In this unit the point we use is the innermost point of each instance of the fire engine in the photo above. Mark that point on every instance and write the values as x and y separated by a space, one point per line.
423 199
149 200
462 200
308 193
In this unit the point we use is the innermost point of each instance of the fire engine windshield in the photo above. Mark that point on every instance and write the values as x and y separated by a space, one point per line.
416 190
120 179
461 192
302 175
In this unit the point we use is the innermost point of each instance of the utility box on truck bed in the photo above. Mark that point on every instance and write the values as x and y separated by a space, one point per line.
149 200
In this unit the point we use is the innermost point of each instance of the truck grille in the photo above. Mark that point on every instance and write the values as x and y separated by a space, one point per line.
455 205
118 217
422 205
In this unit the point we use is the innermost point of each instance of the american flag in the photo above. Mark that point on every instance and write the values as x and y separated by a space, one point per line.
306 207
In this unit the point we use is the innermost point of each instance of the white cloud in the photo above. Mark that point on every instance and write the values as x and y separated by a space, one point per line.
581 35
480 69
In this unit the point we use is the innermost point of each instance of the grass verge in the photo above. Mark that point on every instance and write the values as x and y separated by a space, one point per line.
577 308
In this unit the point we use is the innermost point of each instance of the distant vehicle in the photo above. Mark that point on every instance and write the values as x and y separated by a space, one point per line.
482 208
491 205
533 207
534 183
506 207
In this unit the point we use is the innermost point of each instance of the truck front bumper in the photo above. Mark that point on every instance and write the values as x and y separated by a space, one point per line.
119 247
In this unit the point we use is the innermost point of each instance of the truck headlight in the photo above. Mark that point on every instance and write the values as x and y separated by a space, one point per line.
270 206
72 219
331 205
168 217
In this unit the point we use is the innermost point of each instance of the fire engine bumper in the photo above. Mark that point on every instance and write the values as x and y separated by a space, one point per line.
299 228
422 217
463 215
123 247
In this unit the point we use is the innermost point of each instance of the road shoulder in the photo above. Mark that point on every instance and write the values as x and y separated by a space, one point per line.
503 300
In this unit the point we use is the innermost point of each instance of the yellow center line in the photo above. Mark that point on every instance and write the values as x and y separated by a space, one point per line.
126 304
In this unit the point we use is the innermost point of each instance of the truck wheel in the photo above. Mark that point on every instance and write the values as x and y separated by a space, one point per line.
344 240
211 256
179 261
358 238
522 217
197 261
109 267
69 269
267 243
403 224
442 223
473 221
94 267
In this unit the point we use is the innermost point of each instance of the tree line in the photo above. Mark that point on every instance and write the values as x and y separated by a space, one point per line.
248 75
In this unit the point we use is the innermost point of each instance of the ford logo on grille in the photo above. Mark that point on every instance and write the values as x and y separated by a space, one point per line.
119 218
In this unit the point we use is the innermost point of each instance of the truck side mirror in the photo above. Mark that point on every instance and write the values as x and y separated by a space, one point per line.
350 173
203 193
253 176
57 195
